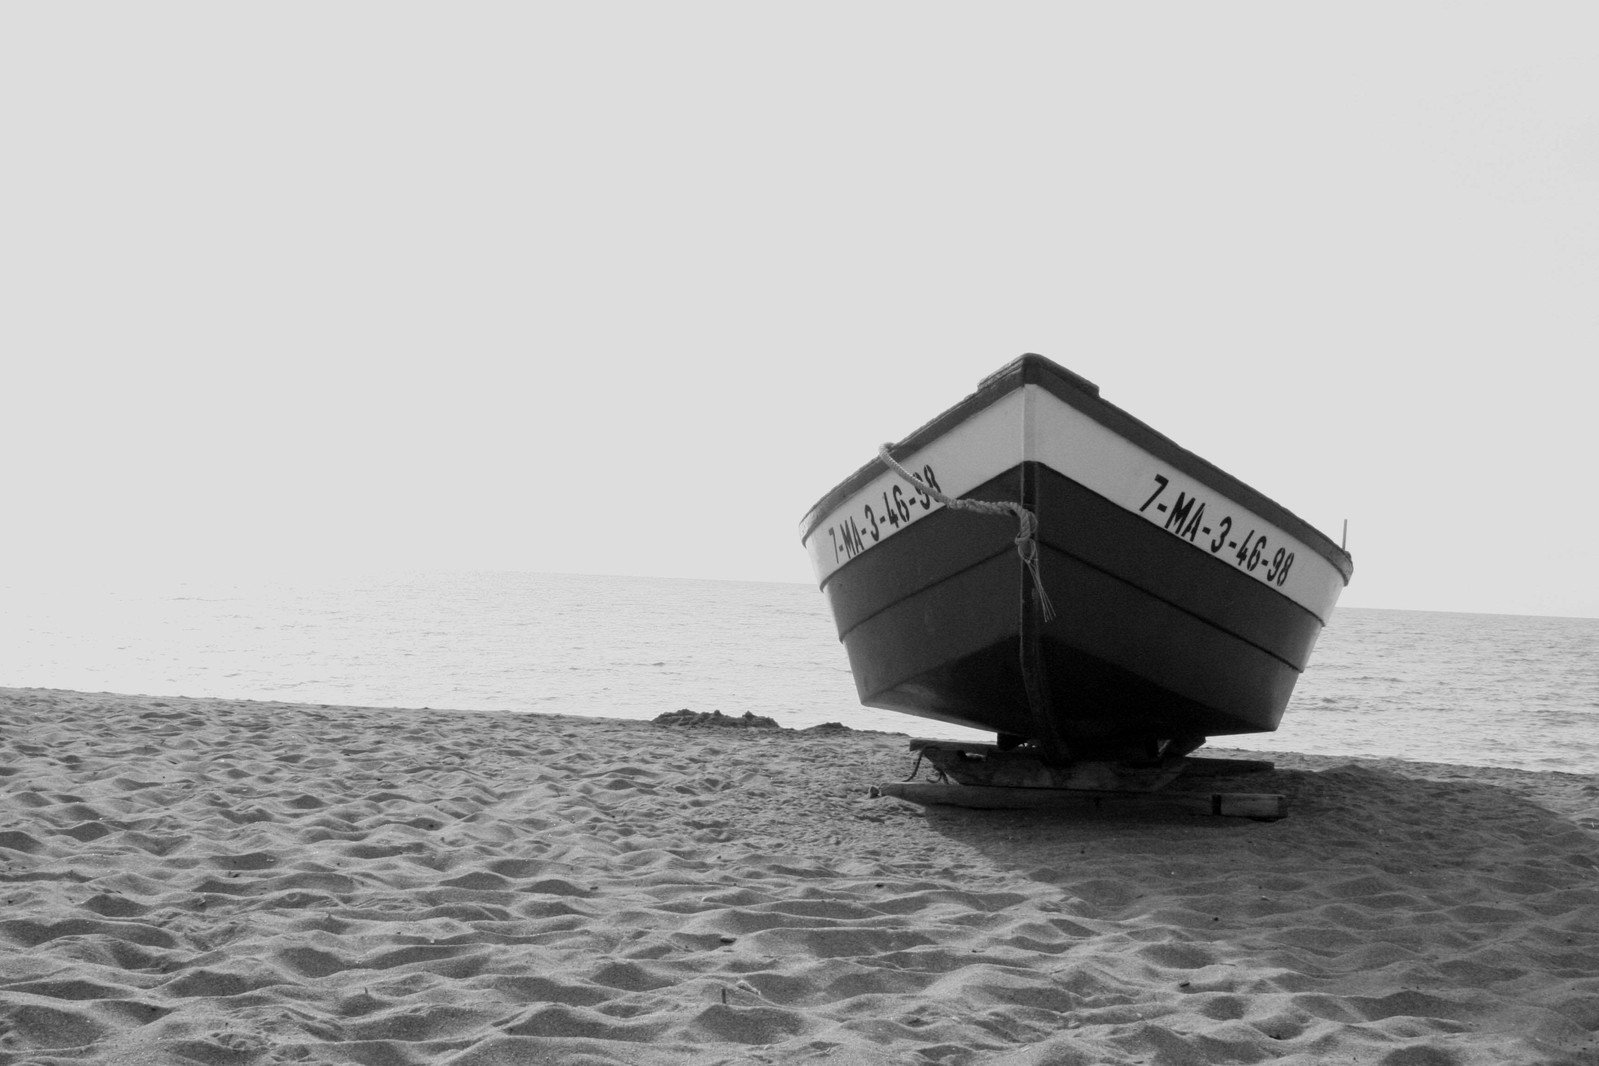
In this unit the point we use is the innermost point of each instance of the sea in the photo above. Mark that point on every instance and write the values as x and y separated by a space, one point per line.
1476 689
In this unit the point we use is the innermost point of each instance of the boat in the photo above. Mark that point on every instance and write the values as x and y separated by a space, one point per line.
1037 563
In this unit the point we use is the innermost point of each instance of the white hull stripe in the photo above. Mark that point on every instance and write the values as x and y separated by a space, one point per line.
1033 424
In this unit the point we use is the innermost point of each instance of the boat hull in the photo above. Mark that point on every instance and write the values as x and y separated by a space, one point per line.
1163 630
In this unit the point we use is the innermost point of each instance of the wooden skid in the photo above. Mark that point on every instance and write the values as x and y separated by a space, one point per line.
1258 805
975 763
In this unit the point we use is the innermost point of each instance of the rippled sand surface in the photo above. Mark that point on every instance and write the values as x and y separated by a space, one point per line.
239 883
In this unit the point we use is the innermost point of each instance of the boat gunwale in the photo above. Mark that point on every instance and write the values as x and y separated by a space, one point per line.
1081 394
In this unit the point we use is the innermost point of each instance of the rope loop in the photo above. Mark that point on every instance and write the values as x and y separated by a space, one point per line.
1026 523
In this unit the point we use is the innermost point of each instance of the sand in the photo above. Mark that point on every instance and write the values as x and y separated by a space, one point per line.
229 882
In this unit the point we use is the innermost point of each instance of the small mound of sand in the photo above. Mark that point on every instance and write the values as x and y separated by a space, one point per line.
715 718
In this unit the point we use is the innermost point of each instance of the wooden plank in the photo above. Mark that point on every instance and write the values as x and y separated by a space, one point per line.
1259 805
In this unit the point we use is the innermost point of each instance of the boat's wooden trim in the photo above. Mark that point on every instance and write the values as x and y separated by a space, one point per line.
981 435
1204 531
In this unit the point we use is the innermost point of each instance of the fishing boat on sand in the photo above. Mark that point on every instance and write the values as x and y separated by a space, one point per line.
1037 563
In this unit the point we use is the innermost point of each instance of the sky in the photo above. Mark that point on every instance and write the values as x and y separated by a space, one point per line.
625 287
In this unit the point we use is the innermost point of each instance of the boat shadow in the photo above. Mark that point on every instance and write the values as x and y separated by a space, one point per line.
1386 907
1349 824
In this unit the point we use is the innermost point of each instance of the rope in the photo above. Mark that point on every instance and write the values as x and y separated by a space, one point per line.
1026 521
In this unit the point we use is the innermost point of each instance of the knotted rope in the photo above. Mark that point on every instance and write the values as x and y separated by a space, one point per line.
1026 521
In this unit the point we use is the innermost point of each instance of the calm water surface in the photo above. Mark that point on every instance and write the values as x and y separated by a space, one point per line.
1481 689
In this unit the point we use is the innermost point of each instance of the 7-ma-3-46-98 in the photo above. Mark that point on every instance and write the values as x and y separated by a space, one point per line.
1185 517
850 537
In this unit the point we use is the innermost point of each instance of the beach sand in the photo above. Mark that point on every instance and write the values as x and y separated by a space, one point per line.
235 882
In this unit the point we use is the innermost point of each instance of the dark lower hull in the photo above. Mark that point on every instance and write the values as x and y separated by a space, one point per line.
1152 641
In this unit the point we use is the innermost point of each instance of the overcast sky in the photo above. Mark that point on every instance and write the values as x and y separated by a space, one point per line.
625 287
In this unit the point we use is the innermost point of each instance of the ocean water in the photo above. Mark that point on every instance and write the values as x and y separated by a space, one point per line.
1497 690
